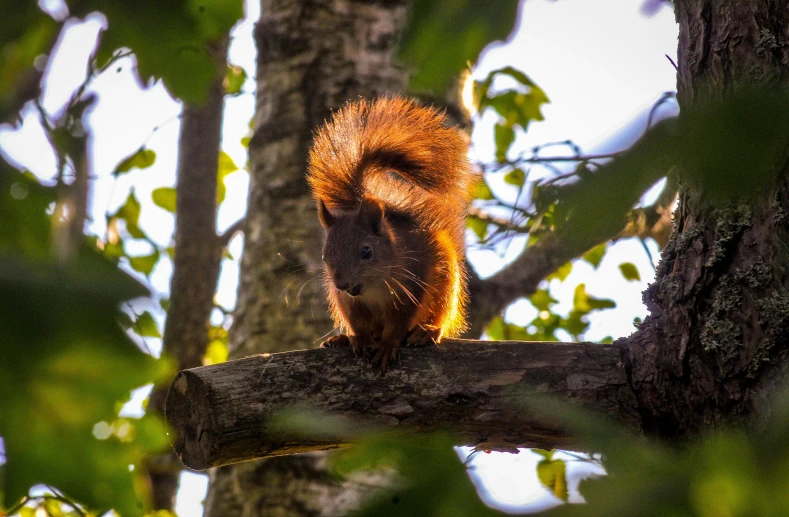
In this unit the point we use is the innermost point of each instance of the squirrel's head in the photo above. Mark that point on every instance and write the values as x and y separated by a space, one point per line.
358 246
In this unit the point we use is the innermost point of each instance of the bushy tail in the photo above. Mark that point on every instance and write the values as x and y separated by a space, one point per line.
356 152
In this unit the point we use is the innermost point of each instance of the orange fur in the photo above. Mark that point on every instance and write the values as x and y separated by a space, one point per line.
394 165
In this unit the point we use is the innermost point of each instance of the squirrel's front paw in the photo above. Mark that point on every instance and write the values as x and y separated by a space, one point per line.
337 341
357 344
423 336
387 353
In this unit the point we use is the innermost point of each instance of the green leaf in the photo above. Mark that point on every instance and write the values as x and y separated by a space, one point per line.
478 226
515 74
584 304
171 40
515 177
595 255
216 352
483 192
468 25
164 197
130 212
234 79
146 326
495 329
504 136
141 159
518 108
629 271
576 323
226 167
553 476
542 300
145 263
561 273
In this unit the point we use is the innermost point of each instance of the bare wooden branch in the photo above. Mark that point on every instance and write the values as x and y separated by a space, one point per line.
223 413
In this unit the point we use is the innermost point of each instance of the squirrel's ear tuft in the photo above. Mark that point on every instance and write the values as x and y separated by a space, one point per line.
324 215
371 213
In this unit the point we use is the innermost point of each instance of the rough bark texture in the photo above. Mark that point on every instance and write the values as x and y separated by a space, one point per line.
312 56
714 344
223 413
198 254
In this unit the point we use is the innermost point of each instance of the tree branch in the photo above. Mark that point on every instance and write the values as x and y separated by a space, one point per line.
489 297
223 413
198 255
228 234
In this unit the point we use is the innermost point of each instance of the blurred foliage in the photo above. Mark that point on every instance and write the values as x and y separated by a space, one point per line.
442 490
708 147
733 472
31 34
515 110
234 80
141 159
545 326
552 474
468 25
171 40
66 362
730 472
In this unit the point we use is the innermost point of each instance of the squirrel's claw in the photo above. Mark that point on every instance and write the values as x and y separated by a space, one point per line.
423 336
387 352
336 341
358 345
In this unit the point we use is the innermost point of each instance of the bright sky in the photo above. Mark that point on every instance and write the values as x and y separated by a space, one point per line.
600 61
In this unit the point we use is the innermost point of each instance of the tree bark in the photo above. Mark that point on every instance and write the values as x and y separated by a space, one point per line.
312 57
226 413
197 259
714 345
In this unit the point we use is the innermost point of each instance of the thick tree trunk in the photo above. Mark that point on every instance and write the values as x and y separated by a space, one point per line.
312 57
715 342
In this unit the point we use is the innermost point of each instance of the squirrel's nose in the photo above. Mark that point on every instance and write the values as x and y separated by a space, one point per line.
343 286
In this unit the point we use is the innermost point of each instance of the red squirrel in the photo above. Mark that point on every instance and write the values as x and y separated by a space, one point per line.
392 185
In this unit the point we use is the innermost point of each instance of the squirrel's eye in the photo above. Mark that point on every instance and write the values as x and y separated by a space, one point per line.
367 252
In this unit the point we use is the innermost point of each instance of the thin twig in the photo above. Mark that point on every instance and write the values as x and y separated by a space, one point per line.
228 234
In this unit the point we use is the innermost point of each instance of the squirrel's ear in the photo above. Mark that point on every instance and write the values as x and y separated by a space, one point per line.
371 213
324 215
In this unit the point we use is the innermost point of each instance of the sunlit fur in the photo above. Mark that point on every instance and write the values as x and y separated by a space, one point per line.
395 158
